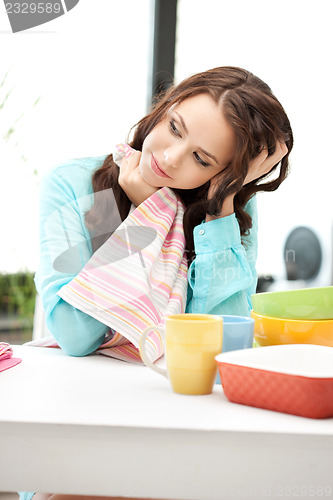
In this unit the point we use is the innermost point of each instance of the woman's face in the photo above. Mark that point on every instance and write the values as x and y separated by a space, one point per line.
189 146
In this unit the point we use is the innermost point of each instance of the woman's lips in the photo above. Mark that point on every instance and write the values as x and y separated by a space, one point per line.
157 169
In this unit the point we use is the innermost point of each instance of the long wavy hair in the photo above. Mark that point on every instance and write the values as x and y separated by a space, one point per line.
257 119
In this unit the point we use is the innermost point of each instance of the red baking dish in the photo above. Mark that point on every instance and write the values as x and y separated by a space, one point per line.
293 378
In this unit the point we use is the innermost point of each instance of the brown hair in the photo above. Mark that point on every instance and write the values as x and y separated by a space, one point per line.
258 120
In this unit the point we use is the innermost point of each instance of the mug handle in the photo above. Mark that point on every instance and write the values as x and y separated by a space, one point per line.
143 354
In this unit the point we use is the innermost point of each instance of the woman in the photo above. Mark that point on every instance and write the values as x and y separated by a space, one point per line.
213 139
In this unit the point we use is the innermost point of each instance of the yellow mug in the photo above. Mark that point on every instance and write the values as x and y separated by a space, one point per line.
191 343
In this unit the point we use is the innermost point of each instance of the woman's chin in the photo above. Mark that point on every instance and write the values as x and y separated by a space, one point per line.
149 178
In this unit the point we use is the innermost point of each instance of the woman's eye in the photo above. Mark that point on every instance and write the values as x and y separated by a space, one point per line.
173 128
200 160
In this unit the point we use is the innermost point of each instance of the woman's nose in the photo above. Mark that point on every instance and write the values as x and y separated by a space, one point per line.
167 157
173 156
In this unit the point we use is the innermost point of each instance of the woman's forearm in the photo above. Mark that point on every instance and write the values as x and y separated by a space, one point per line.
227 209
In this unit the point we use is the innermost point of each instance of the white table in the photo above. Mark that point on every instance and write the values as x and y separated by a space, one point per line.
99 426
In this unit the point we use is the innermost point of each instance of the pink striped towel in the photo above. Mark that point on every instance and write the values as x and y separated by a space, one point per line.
6 359
137 278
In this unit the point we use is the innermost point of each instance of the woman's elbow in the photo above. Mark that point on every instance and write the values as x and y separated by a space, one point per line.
71 346
75 332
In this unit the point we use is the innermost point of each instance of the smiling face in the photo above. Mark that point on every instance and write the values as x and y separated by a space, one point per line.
189 146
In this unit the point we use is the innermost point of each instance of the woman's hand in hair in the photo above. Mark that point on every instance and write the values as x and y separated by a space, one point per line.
259 166
131 181
263 164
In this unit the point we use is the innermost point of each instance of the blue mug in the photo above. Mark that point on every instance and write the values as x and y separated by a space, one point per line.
237 334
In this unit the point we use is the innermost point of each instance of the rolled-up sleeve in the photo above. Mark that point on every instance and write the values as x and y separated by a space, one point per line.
222 276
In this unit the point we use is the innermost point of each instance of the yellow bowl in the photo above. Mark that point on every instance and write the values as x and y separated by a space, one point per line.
275 331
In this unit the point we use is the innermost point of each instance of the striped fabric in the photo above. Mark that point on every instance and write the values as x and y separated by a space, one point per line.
137 278
119 151
6 351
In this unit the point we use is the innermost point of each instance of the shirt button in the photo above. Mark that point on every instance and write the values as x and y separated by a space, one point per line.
201 231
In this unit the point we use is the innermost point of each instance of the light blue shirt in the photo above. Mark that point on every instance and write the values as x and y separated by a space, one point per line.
221 278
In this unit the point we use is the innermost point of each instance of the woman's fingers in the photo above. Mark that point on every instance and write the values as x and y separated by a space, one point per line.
127 167
280 151
263 164
131 162
134 160
131 182
259 160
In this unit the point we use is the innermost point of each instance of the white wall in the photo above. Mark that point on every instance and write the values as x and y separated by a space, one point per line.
289 45
90 68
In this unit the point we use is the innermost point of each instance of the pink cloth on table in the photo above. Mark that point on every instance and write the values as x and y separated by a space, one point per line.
9 363
6 359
